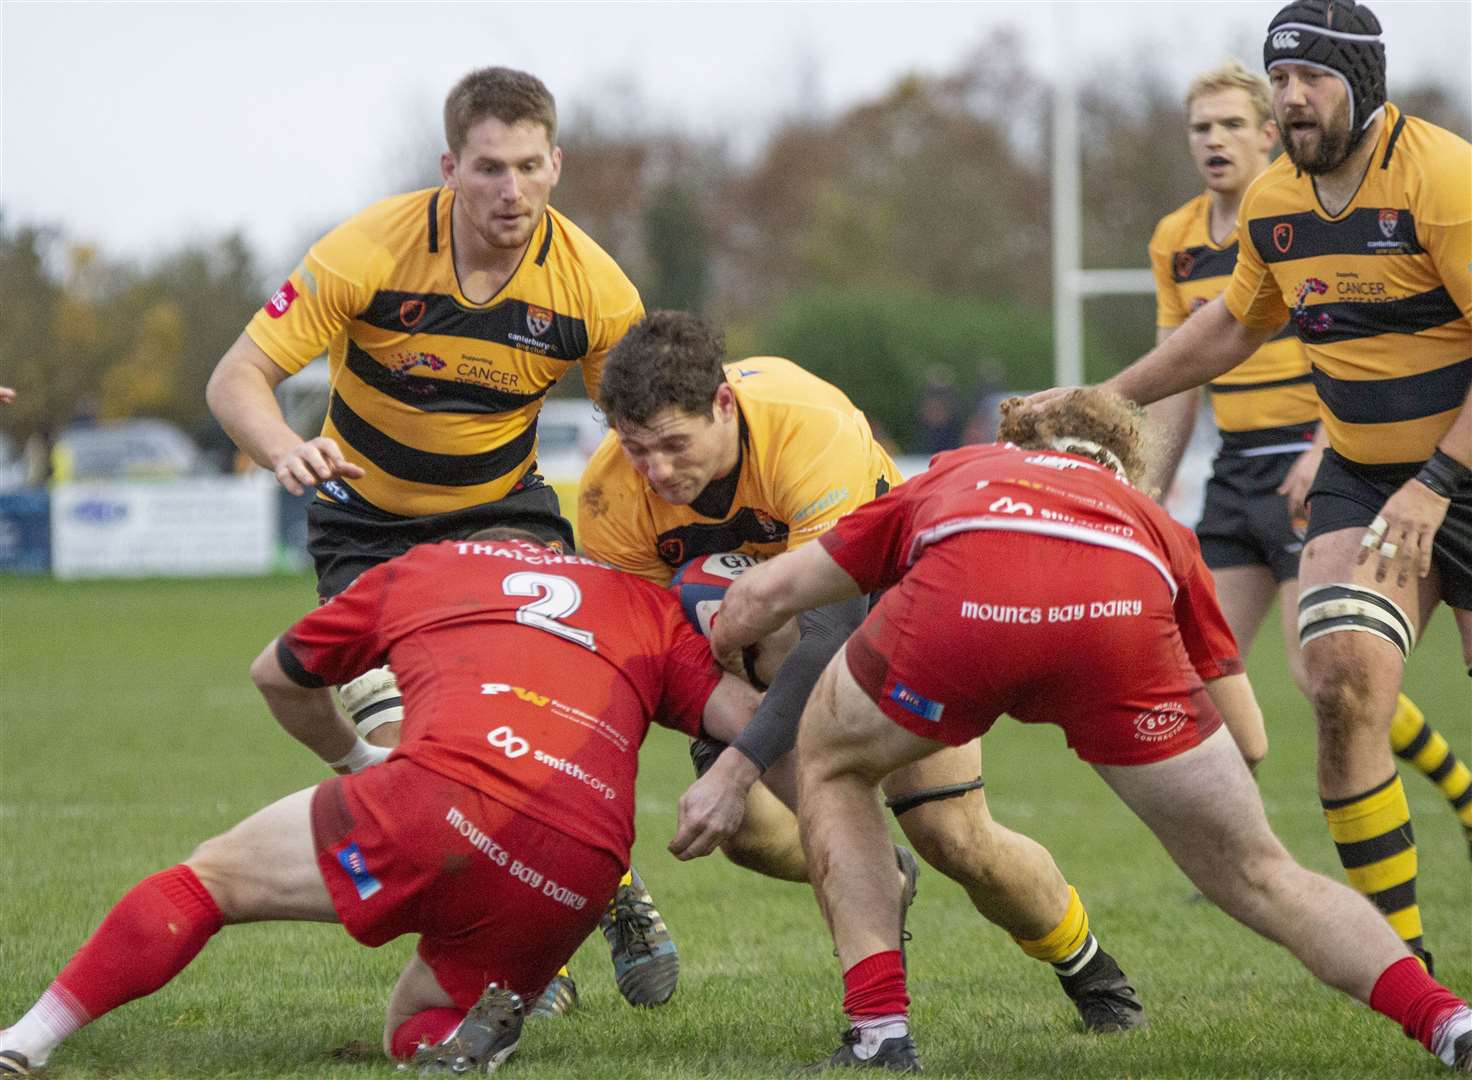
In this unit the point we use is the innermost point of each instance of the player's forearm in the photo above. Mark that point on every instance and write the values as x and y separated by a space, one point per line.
1234 699
242 396
773 729
307 714
766 596
1174 419
1209 343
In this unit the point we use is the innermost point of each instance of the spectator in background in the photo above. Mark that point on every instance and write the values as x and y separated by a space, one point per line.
937 419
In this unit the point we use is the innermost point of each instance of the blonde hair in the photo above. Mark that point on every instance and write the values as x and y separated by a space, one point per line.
1233 76
1094 423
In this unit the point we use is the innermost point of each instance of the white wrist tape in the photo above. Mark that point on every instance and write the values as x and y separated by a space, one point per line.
361 756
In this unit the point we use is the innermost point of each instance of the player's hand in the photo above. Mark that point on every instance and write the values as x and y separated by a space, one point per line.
1399 539
712 808
1042 397
313 462
7 394
1300 478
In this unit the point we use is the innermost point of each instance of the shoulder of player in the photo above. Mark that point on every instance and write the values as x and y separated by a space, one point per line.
609 488
1277 189
1173 230
775 383
586 270
1437 168
369 244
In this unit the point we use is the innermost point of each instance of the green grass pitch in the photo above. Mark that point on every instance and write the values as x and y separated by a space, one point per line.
130 732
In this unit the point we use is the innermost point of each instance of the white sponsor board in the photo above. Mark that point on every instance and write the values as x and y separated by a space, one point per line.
195 526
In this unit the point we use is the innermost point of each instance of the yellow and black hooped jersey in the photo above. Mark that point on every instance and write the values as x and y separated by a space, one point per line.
1267 403
434 396
1380 294
807 458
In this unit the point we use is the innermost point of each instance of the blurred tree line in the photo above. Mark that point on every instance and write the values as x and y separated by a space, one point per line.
898 246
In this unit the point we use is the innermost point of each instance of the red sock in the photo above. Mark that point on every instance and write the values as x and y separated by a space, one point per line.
148 937
875 986
431 1026
1413 999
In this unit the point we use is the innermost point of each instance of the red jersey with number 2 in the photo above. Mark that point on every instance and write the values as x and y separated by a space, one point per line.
528 675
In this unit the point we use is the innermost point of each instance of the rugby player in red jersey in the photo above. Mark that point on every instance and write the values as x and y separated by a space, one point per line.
531 679
1034 579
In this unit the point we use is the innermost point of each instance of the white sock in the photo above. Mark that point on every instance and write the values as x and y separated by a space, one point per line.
1452 1028
41 1030
1080 959
873 1030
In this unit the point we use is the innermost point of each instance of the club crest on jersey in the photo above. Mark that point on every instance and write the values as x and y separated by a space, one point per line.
1185 262
538 319
767 523
281 300
1283 236
410 312
672 550
1388 221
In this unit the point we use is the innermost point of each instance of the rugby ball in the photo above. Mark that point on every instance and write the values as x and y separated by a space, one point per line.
702 582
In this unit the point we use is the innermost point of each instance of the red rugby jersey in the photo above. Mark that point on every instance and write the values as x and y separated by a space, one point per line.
528 675
1043 492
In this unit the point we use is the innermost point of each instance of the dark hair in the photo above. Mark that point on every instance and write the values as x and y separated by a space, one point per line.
509 532
668 359
509 96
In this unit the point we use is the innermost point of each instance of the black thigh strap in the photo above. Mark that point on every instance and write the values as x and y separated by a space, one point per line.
901 803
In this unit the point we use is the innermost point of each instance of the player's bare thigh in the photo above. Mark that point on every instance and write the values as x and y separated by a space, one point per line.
266 867
1245 594
1464 627
843 731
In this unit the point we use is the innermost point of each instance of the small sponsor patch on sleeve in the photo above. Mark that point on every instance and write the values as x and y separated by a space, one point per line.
351 858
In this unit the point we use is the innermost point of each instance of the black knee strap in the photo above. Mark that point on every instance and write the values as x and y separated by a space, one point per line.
899 804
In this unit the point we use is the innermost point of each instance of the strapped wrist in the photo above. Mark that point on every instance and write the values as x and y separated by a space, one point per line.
1445 475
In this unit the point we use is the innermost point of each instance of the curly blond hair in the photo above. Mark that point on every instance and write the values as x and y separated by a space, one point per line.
1116 426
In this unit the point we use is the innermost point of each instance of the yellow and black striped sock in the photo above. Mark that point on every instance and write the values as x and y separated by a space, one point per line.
1069 944
1372 831
1418 742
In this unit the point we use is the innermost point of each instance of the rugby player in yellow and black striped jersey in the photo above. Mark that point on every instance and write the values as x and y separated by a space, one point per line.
447 314
1265 408
1362 235
760 456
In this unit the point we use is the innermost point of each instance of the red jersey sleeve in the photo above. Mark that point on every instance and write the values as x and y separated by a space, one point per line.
870 543
690 676
1204 630
343 638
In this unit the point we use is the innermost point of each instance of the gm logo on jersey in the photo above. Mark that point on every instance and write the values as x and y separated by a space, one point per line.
916 703
351 858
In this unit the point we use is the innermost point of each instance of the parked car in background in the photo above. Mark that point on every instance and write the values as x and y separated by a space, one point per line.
144 449
568 431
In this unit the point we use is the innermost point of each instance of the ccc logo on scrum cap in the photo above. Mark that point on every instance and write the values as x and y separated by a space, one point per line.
508 742
1285 39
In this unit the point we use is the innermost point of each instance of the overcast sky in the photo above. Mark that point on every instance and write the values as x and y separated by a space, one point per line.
138 126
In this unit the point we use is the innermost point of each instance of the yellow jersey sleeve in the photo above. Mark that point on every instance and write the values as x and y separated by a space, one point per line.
1253 296
608 332
614 525
830 466
1445 225
1170 309
335 282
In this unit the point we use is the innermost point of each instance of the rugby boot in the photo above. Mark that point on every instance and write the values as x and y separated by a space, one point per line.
14 1063
910 867
484 1039
558 999
896 1054
1452 1041
645 964
1106 1002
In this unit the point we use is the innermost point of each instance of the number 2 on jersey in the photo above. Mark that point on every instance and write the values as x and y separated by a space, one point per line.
557 597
